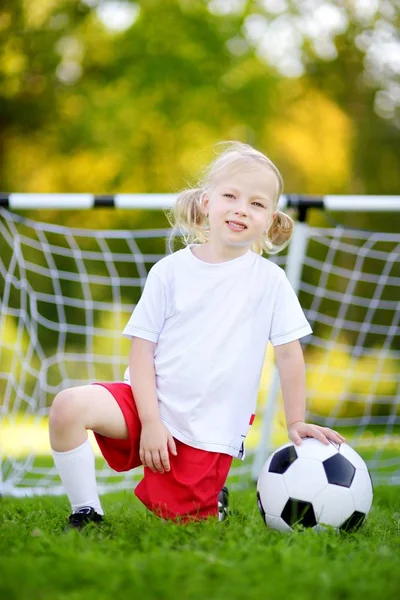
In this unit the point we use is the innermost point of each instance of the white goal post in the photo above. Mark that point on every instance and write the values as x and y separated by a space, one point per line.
66 293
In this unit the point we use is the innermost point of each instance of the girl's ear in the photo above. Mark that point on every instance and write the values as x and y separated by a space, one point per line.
205 202
271 220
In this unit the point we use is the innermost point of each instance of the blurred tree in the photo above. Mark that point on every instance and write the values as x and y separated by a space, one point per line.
93 101
28 63
106 96
349 50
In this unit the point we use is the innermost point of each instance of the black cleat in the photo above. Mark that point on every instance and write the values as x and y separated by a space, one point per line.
223 504
83 516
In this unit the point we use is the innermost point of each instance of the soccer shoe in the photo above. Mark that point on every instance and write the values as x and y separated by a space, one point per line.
83 516
223 504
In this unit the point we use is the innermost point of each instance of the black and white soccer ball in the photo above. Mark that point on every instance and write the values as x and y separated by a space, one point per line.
314 485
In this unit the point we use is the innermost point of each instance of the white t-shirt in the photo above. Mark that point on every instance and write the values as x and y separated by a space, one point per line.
212 324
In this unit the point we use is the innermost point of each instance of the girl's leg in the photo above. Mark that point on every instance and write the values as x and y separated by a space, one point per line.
73 412
80 408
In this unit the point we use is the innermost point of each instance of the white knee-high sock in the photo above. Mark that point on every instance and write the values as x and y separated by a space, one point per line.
78 474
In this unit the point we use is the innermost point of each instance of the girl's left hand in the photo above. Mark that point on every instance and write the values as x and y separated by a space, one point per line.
300 430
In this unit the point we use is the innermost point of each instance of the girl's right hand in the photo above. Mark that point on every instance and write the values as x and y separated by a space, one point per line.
155 442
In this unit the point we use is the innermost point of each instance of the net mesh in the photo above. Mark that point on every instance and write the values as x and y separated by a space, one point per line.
349 290
67 293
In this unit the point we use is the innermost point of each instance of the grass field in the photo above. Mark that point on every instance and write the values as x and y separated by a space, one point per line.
135 555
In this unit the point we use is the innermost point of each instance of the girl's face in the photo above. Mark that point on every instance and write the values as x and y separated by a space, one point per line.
241 206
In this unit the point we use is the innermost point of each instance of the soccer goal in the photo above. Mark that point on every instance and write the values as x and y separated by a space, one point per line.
66 294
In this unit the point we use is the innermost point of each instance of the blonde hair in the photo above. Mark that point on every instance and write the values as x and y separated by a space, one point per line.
187 215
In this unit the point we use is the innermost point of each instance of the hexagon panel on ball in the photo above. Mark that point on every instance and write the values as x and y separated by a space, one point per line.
334 505
316 450
277 523
305 479
362 491
356 460
272 493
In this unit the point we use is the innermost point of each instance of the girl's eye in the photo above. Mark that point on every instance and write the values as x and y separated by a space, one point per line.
229 195
259 204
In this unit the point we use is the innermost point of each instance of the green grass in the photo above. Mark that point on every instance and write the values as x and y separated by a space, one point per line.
134 555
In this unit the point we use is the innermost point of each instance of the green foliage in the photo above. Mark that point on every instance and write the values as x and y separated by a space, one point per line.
134 554
85 107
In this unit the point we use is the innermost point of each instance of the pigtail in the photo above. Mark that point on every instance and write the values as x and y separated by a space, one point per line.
279 233
187 216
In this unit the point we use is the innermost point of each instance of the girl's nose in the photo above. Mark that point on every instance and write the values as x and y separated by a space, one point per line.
241 210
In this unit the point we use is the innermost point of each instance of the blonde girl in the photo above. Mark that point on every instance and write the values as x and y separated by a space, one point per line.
198 339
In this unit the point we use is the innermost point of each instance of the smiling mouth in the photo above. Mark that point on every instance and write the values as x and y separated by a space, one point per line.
235 226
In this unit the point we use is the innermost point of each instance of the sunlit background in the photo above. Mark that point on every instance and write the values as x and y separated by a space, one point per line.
118 96
106 97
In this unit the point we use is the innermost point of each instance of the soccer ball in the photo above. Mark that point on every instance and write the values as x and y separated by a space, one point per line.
314 485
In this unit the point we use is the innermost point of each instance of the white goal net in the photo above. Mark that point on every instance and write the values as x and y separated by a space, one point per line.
67 293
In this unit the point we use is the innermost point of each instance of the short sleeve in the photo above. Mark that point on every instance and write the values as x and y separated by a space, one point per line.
288 320
148 316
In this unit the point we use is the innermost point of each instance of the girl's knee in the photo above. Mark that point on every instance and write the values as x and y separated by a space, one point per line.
63 410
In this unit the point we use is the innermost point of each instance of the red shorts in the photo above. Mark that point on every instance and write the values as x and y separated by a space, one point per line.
189 491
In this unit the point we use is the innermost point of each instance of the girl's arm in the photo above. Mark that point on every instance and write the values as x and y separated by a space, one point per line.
292 375
143 379
155 439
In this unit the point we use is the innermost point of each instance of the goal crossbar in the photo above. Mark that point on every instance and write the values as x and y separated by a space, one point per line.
15 201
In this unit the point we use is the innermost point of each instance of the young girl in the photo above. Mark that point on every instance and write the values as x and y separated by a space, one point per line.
199 336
